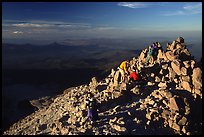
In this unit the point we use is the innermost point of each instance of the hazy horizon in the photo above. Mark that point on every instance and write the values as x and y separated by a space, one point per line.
47 22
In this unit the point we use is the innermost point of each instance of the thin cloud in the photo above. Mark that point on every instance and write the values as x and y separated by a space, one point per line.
44 24
133 4
187 9
17 32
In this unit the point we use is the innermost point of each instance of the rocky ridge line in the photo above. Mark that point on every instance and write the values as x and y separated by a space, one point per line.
169 103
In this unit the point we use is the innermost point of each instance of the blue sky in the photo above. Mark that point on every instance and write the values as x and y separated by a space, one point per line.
54 21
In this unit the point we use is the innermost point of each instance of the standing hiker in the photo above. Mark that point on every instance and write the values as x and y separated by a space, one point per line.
152 53
92 108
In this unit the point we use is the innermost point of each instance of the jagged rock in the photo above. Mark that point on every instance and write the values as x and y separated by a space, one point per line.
93 83
116 78
193 64
165 66
165 114
119 128
183 71
184 129
186 85
170 55
112 73
172 46
142 55
186 64
150 83
197 78
157 79
123 86
162 85
135 90
113 120
160 54
175 64
185 78
172 73
176 127
198 91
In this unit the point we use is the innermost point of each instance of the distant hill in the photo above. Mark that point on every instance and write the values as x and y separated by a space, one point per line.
58 56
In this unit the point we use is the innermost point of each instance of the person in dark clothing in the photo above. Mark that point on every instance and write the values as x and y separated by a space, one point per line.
92 107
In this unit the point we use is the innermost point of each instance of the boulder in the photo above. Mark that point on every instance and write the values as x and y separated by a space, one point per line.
193 64
112 73
176 127
157 79
173 105
93 83
172 73
185 78
116 78
197 78
170 55
162 85
165 66
142 57
186 64
186 85
183 71
198 92
182 121
119 128
175 64
160 54
173 45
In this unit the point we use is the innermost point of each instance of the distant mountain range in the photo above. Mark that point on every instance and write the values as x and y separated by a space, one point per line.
60 56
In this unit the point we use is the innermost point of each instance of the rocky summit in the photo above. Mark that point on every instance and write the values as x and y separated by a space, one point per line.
167 101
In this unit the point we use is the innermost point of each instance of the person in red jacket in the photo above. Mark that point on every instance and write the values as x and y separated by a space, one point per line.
133 75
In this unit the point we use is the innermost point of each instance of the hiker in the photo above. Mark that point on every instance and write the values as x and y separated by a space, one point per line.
149 54
155 50
123 68
152 53
92 108
133 76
